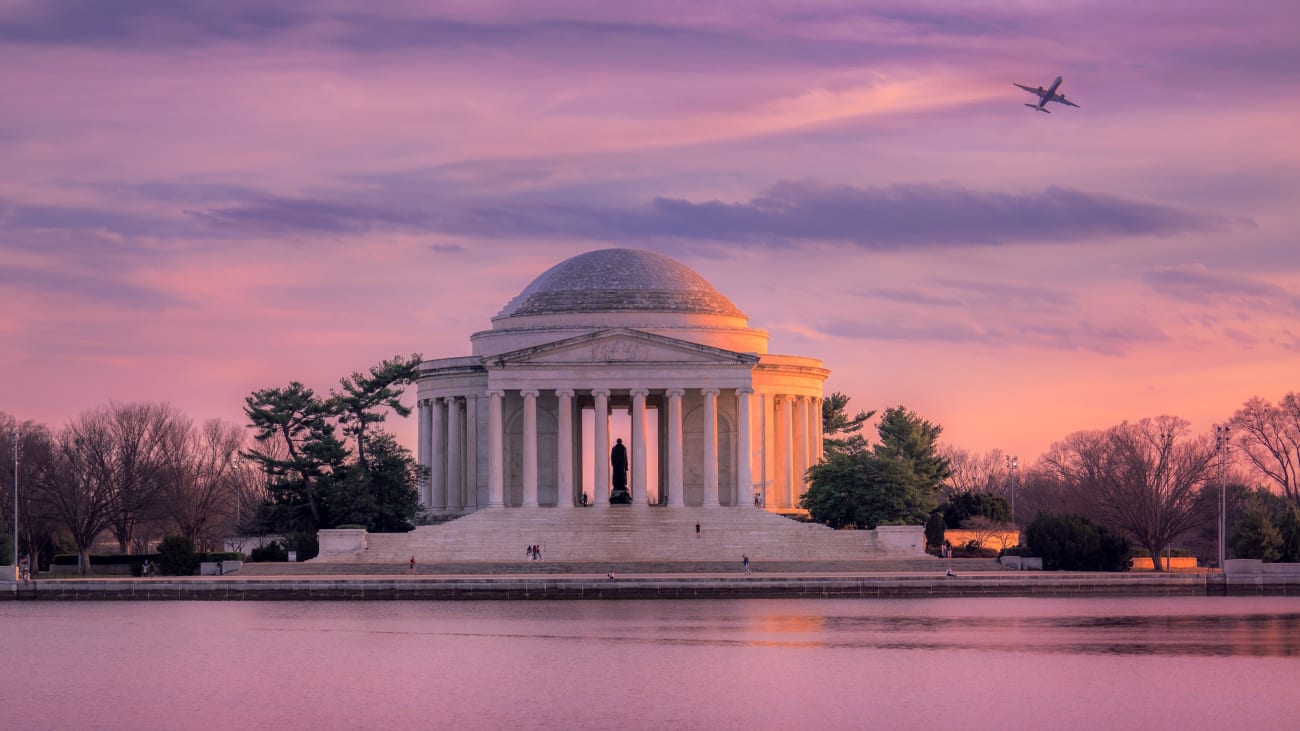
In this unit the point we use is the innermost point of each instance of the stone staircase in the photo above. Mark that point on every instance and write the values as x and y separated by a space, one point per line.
620 533
550 569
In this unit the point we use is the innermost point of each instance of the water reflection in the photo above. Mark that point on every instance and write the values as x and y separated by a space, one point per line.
753 664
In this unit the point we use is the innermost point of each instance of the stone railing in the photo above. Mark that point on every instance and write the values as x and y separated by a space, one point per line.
1255 567
341 540
901 539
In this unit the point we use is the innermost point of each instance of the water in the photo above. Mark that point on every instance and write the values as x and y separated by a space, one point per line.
1093 663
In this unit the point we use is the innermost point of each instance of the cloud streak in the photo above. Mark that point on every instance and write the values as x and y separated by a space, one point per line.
883 218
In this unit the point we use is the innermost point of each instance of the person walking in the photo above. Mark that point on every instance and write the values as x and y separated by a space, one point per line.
744 561
411 570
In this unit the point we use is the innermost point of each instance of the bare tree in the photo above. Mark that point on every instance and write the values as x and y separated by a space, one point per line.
984 529
74 489
971 472
144 444
1270 438
204 490
1141 478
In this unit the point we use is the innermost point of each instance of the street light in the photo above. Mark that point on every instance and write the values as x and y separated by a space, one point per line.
1013 464
18 455
1222 445
237 464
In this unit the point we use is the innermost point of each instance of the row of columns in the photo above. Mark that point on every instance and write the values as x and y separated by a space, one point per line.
798 445
445 422
442 422
443 426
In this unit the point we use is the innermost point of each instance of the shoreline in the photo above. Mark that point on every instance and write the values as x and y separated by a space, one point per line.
562 586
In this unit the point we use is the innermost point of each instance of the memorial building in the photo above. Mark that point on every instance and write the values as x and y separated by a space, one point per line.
524 423
619 409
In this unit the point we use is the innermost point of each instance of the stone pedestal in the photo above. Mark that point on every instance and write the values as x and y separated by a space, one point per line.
341 540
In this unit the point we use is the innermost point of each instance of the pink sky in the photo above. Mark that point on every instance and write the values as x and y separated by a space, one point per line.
199 199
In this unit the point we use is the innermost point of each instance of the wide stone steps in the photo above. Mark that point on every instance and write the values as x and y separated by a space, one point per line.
926 564
617 533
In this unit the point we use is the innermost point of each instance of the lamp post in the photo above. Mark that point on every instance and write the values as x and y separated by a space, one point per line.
238 465
1222 444
1013 464
18 455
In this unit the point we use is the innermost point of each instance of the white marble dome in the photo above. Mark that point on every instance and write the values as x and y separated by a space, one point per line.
620 280
619 288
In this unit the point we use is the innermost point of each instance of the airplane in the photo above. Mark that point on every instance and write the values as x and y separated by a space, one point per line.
1046 95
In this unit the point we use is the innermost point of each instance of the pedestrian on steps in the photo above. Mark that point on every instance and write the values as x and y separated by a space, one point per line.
745 562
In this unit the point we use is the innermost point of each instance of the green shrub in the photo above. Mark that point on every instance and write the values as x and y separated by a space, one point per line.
176 556
1074 543
270 553
1255 536
304 542
934 528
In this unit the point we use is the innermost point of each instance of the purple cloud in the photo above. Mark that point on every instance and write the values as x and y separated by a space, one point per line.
135 23
873 218
1112 340
287 215
1196 283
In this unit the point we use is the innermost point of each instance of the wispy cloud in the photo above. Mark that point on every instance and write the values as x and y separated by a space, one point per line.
1199 284
135 23
1112 339
875 218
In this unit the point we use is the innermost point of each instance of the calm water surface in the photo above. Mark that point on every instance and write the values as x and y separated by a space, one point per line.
1176 663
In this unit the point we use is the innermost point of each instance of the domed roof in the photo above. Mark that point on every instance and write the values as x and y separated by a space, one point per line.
619 280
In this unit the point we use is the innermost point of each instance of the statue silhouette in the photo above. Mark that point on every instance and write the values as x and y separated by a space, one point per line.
618 460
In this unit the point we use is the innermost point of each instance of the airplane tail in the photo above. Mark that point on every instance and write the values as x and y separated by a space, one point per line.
1035 106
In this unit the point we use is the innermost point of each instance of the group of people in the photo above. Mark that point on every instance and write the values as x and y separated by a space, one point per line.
534 552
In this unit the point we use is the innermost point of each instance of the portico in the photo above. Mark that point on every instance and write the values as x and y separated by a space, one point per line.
713 420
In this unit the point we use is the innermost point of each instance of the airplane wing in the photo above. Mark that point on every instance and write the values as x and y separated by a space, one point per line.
1038 91
1060 98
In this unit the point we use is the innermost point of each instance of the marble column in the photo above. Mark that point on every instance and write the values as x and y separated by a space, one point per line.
438 457
821 432
800 447
496 460
600 490
422 447
530 447
710 447
675 491
764 439
814 418
564 450
455 477
471 451
639 472
787 451
744 450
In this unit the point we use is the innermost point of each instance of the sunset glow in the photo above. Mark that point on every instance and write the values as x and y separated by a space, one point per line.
201 199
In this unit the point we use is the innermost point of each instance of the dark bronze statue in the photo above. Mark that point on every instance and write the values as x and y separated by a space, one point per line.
618 460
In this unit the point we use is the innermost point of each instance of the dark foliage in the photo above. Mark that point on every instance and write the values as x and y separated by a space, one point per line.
176 556
934 529
1074 543
964 505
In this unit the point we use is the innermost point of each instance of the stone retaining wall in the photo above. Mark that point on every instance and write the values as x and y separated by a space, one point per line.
659 587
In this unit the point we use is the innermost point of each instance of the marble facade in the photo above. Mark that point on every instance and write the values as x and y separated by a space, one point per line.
524 422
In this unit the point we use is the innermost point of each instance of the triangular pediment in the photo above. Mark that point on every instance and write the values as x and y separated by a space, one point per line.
622 345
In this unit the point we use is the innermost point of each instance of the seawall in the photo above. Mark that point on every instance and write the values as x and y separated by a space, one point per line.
734 586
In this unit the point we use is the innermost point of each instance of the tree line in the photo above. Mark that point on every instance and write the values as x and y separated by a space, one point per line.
139 471
1152 481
